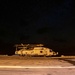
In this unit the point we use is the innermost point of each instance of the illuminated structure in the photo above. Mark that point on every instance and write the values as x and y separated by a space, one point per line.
34 50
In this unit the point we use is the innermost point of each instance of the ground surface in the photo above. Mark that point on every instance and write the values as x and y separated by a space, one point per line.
16 65
40 71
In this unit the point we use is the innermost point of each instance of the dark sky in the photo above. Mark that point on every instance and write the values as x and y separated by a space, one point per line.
38 21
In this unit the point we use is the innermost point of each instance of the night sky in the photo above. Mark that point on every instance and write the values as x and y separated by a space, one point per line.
50 22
